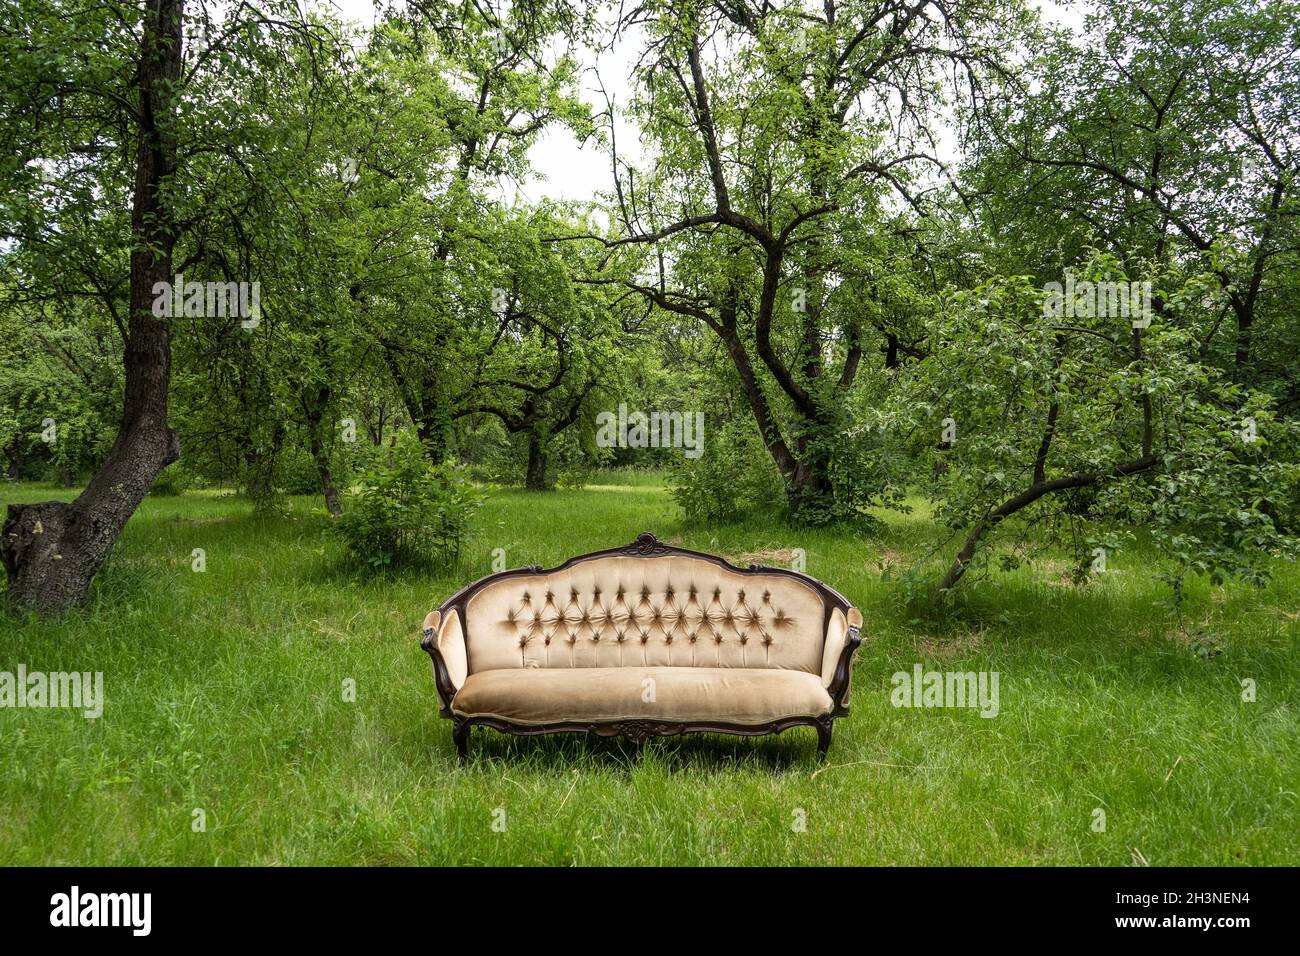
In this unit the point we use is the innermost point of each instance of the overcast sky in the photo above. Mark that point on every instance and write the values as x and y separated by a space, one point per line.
566 170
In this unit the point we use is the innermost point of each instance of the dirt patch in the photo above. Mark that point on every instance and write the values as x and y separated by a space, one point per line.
889 562
948 646
778 557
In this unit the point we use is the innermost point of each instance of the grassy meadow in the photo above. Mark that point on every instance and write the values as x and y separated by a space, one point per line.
224 694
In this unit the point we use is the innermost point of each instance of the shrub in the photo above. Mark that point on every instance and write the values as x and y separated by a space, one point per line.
733 477
402 507
296 473
174 480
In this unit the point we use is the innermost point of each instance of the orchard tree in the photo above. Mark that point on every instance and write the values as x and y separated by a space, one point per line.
1082 424
105 102
500 85
555 343
1166 132
783 136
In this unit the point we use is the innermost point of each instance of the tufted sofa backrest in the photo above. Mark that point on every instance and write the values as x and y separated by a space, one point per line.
672 610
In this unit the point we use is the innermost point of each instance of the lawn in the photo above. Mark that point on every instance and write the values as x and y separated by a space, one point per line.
225 694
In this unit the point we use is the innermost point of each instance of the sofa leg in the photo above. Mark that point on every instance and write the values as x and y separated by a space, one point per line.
460 734
823 737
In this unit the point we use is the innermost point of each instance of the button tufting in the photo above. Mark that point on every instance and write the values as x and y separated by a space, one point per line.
655 616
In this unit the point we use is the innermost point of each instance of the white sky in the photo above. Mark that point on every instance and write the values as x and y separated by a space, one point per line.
566 170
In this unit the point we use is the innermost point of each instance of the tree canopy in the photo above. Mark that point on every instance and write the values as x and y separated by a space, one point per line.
1037 274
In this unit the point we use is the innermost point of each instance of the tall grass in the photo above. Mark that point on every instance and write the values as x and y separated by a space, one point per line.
225 694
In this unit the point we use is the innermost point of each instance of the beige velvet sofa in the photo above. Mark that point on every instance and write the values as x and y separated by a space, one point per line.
641 641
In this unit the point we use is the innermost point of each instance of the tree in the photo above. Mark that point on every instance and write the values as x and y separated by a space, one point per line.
1167 132
497 91
1123 421
553 344
53 550
91 93
778 131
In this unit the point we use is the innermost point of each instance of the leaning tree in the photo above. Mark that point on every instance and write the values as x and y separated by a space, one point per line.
113 104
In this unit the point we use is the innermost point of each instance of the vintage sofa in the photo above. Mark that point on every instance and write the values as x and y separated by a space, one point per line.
642 641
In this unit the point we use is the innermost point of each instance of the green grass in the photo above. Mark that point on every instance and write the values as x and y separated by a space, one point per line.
224 693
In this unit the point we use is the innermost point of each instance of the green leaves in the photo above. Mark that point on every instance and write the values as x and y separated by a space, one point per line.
403 508
1039 398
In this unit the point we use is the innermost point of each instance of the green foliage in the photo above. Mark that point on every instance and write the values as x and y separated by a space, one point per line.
1034 399
403 508
173 481
735 476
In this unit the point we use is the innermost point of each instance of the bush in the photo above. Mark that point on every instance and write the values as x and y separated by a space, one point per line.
174 480
296 472
734 476
404 508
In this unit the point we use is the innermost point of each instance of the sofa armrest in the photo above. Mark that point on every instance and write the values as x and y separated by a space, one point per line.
843 635
443 639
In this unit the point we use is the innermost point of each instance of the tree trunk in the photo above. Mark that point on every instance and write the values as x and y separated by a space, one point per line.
433 426
315 402
891 351
53 550
808 489
1024 500
535 480
322 460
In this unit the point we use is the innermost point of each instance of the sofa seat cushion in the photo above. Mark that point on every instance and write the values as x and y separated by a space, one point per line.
687 694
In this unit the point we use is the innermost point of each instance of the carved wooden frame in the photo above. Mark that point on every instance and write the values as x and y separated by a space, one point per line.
638 730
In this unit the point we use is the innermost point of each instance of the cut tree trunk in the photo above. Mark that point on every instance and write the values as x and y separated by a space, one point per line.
53 550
